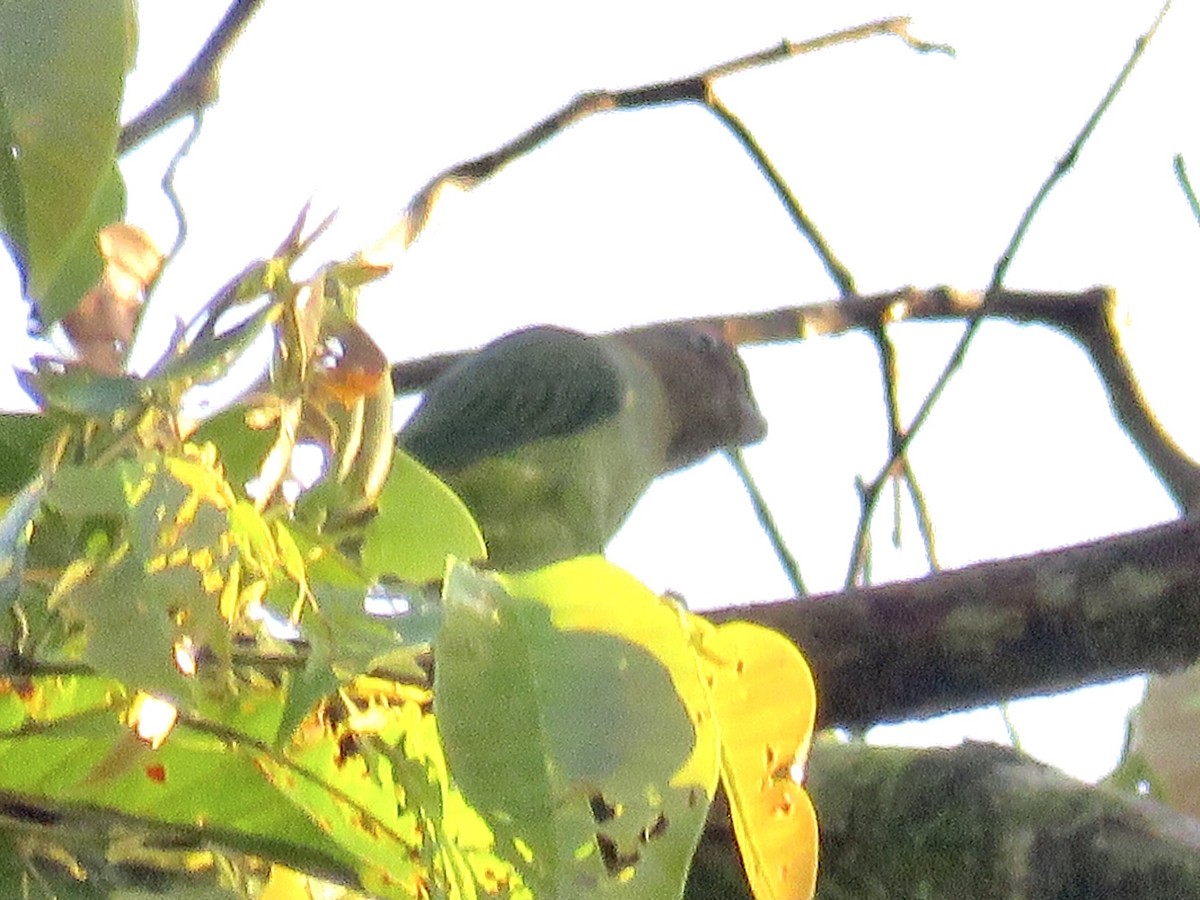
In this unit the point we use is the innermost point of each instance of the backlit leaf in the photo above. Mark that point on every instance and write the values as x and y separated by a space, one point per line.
62 73
766 705
420 522
568 736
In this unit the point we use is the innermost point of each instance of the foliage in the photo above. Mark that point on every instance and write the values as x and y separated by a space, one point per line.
193 696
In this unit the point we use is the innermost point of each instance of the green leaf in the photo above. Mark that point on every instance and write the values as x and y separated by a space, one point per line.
92 759
420 523
210 357
305 688
81 262
572 741
14 540
88 490
62 74
22 437
357 641
130 625
85 392
243 448
591 594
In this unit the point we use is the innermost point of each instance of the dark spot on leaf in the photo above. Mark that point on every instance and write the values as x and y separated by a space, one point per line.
771 759
156 772
172 842
35 814
656 830
25 688
615 861
147 878
601 810
335 714
348 746
205 656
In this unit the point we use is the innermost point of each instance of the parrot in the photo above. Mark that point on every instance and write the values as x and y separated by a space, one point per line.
550 436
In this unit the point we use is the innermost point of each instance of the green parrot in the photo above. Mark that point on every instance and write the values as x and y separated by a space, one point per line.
550 436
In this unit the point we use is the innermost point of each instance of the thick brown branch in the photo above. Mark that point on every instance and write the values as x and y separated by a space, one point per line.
970 822
196 88
974 636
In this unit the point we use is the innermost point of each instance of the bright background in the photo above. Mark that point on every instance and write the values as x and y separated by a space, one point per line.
917 169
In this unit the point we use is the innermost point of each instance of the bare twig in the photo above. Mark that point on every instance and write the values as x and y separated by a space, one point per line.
168 187
196 89
902 474
790 567
696 88
871 495
924 519
837 271
1185 184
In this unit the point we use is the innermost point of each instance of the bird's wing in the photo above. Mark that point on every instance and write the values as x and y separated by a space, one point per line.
537 383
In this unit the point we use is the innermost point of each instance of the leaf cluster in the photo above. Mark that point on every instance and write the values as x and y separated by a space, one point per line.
215 664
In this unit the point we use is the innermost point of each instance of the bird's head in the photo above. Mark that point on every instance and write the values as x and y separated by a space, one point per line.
706 386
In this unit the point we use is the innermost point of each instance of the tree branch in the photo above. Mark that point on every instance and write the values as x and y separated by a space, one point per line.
196 89
871 491
975 636
696 88
1091 318
970 822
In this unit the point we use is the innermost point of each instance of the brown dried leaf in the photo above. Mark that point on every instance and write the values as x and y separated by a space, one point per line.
102 325
353 366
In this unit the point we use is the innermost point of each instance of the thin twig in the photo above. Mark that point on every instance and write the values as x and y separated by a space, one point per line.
837 270
1185 183
692 89
1064 165
197 88
924 519
890 371
168 187
767 521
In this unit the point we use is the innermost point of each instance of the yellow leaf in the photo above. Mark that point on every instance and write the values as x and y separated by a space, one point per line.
765 703
288 884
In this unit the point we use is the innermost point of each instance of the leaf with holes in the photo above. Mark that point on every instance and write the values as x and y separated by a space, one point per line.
558 693
765 703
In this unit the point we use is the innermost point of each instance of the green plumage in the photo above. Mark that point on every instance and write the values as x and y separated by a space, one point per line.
551 436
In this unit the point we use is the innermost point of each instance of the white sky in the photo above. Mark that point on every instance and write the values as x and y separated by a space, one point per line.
917 169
